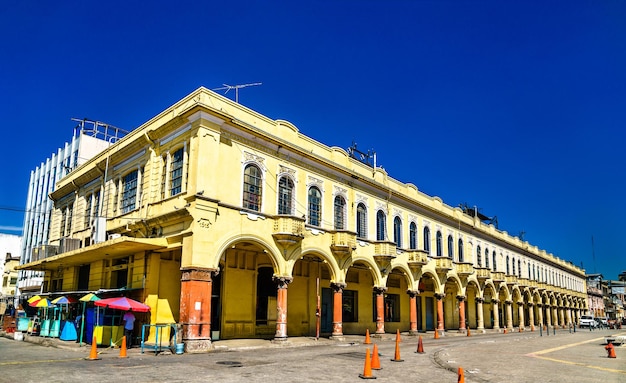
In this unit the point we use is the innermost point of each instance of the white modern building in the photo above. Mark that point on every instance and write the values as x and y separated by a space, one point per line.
89 139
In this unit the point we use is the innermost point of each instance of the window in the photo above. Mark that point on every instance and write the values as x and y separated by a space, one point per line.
340 213
129 192
478 256
70 213
397 231
519 268
450 247
534 275
439 244
507 265
252 188
513 263
63 221
486 258
87 221
285 196
96 203
176 172
461 257
427 239
315 206
413 236
493 256
361 221
349 304
380 226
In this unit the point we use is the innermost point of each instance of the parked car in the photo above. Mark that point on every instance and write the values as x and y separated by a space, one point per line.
588 321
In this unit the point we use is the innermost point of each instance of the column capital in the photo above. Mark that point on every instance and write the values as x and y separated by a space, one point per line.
530 304
508 302
480 299
198 274
379 289
439 296
495 301
412 293
337 286
282 282
460 298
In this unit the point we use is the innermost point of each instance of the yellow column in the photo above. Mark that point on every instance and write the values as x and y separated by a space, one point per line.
496 314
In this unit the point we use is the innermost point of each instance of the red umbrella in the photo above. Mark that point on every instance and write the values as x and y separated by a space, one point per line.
123 303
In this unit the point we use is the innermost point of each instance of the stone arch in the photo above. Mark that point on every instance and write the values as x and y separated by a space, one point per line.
373 267
336 274
278 262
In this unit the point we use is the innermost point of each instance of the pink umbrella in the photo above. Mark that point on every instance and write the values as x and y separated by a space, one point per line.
123 303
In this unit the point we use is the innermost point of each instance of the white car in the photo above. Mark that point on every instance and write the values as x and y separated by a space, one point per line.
588 321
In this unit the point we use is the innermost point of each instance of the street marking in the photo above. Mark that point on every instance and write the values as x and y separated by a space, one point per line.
563 347
38 361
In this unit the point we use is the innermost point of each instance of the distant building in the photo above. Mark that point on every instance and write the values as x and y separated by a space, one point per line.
595 296
235 225
89 139
615 299
10 246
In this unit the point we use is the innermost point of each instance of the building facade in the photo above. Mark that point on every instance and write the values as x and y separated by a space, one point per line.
10 246
89 138
235 226
595 295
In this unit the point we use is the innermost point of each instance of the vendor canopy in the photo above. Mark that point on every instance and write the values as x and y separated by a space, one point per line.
123 303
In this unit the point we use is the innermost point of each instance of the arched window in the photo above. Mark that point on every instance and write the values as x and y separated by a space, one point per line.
252 188
285 196
534 275
493 258
519 268
460 250
380 225
450 247
427 239
340 213
529 271
487 258
315 206
413 236
507 266
513 263
397 231
439 244
176 172
361 221
478 256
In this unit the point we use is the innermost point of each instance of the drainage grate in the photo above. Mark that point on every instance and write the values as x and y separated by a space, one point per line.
230 363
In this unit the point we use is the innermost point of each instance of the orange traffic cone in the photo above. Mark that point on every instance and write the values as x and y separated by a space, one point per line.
123 348
520 328
461 375
375 359
504 332
468 332
93 354
367 369
436 334
420 346
396 357
398 335
610 351
367 337
532 327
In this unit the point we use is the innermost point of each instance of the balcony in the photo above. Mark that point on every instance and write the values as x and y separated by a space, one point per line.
384 252
523 281
511 280
483 273
464 270
288 230
541 286
417 258
498 276
343 243
532 283
443 265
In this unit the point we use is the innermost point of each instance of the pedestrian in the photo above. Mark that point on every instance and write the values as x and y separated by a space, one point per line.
129 325
77 325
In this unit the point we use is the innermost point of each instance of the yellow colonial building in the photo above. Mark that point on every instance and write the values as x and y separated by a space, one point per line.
235 225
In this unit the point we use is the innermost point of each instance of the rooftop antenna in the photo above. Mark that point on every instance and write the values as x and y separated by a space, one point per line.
236 88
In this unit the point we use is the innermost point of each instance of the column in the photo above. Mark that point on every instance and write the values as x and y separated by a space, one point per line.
337 310
440 323
540 314
380 309
520 314
281 307
531 315
479 313
562 316
195 307
555 317
461 300
569 317
412 311
509 314
496 314
548 324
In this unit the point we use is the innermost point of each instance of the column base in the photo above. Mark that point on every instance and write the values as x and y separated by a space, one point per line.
481 330
197 345
339 338
441 332
413 332
281 339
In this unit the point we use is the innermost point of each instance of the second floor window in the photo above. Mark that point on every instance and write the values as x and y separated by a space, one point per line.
461 250
176 172
397 231
380 226
478 257
413 236
439 244
285 196
493 255
450 247
486 258
361 221
340 213
315 206
88 211
129 192
427 239
252 188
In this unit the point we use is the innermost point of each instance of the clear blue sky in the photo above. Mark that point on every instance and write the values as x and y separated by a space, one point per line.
518 107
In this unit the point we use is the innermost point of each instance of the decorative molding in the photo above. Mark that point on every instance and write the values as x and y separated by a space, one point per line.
397 212
381 206
361 199
251 157
313 181
288 171
338 190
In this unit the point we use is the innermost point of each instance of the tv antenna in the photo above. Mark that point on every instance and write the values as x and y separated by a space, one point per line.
236 88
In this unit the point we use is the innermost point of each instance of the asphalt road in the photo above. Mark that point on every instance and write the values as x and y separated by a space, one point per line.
516 357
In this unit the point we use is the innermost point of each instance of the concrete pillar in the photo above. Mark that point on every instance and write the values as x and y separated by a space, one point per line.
548 316
531 315
562 316
540 314
440 323
520 313
195 307
509 314
412 312
281 307
555 317
569 317
380 309
479 309
337 310
496 314
461 300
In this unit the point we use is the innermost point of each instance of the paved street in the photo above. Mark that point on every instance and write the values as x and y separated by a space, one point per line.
516 357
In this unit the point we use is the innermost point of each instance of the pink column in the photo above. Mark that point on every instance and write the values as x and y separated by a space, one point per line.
412 312
440 324
337 309
461 300
380 309
281 308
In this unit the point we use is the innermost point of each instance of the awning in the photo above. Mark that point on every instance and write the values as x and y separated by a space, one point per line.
112 249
